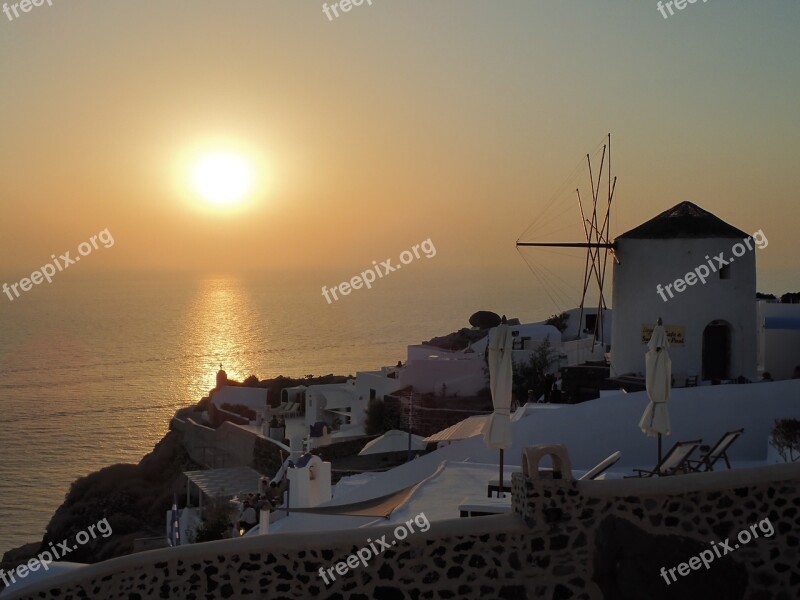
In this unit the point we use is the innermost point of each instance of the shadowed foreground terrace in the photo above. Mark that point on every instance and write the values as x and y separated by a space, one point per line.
595 539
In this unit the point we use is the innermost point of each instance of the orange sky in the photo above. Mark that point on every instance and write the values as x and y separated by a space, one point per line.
395 123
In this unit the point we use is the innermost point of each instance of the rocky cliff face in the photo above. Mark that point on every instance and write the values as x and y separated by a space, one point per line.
132 498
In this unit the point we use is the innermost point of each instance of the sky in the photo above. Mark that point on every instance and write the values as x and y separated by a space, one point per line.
454 120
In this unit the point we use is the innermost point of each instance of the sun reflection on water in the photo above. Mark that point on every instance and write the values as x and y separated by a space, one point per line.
222 328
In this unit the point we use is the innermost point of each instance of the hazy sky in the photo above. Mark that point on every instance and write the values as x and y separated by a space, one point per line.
397 122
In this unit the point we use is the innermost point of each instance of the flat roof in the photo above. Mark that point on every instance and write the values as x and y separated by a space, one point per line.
222 483
469 427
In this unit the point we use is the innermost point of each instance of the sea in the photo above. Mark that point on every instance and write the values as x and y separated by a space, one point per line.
93 367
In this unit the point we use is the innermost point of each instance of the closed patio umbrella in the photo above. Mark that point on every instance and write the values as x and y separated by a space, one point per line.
655 420
497 430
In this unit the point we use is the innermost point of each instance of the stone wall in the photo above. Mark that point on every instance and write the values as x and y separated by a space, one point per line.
565 539
611 538
464 558
226 446
218 416
267 457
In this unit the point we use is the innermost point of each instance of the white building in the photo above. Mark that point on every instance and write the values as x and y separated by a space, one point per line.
229 396
326 402
253 398
310 481
343 406
711 325
779 339
292 397
582 326
430 370
578 343
591 431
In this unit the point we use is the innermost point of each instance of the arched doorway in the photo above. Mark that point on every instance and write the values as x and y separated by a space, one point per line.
717 350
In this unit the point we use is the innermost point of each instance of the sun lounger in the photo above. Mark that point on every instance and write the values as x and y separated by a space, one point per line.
494 487
601 468
719 451
593 473
475 506
674 461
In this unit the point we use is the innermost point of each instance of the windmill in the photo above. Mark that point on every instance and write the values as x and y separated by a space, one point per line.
596 222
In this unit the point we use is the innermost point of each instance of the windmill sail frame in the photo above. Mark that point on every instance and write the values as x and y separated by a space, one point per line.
598 235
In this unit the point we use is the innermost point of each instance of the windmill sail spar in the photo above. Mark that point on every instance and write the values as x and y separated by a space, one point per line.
564 245
596 229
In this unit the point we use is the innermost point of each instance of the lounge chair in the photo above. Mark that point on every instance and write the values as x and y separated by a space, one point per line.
593 473
494 487
674 461
717 452
475 506
601 468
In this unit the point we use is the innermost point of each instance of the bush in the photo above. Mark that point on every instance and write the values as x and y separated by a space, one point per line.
531 375
786 438
251 381
217 522
133 498
380 419
458 340
790 298
101 483
558 321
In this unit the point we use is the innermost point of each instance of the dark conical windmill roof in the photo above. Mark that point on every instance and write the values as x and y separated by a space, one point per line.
684 220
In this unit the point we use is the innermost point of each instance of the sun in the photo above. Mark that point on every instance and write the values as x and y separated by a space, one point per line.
222 178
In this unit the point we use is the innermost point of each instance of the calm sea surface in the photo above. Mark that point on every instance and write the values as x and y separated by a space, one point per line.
92 370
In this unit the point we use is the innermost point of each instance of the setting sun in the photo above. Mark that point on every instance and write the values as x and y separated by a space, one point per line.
222 179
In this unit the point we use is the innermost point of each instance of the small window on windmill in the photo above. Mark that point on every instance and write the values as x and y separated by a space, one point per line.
591 321
373 394
725 272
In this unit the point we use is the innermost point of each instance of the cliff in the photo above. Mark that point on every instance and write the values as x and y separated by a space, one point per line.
133 498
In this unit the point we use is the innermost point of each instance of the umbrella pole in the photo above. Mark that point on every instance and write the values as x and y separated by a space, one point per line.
659 450
500 492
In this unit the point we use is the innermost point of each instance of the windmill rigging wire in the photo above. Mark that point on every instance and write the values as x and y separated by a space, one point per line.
567 290
560 253
544 285
563 293
590 222
543 216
